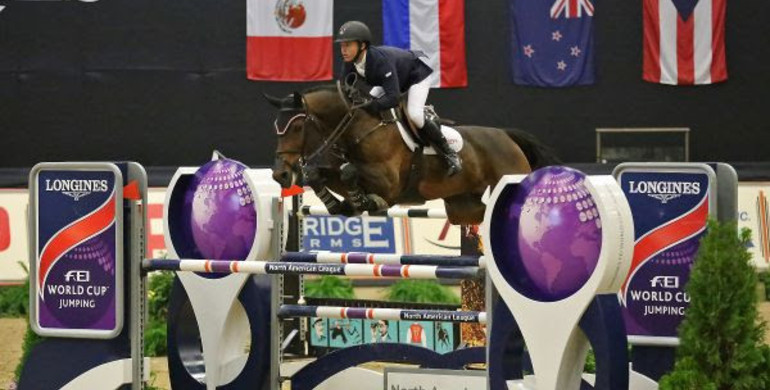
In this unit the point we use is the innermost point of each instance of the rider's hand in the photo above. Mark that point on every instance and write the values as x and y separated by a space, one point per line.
370 107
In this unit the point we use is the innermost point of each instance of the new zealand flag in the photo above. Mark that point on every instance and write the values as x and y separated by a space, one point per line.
552 42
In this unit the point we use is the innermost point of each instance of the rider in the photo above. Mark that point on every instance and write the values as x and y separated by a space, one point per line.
396 71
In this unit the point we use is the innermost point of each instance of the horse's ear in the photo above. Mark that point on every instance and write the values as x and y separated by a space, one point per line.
274 101
298 100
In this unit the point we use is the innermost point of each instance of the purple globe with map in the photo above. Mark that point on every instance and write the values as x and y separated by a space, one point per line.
223 219
546 234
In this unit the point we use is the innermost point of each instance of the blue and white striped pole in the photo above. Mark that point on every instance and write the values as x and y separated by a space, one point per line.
393 212
382 314
382 258
287 268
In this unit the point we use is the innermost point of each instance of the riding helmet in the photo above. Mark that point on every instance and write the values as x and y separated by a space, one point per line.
354 31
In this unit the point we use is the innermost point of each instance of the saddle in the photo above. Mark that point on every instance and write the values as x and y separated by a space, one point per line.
410 134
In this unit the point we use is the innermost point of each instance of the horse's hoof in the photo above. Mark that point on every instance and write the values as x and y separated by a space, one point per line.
379 203
347 210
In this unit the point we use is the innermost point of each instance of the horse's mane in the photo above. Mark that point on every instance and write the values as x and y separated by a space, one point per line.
328 93
321 88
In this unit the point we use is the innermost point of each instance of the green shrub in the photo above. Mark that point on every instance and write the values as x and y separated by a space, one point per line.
721 336
14 300
158 294
421 291
30 338
329 286
155 338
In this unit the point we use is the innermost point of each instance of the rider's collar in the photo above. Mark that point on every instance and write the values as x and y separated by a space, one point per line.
361 64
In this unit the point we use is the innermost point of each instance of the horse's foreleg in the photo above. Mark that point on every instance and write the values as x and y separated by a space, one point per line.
316 181
357 195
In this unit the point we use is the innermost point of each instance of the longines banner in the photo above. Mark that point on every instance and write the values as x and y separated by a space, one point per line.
670 209
76 214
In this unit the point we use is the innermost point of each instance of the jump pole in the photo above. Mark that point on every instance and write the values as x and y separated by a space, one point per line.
393 212
285 268
388 314
382 258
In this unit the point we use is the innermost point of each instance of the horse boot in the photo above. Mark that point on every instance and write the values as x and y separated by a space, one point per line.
432 132
356 194
312 176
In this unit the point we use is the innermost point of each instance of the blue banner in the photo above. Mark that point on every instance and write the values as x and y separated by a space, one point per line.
340 234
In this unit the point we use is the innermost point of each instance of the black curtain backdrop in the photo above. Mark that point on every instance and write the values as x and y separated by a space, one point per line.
163 82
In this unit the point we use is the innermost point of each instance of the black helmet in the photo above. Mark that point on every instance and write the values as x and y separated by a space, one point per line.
354 31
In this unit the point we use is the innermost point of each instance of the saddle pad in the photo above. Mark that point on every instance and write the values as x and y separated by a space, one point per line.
452 136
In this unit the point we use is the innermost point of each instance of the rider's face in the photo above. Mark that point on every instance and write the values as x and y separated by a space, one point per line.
349 50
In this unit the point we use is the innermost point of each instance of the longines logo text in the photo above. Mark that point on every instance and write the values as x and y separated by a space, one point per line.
664 190
76 188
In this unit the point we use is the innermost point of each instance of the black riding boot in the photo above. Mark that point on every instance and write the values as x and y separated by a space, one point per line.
432 132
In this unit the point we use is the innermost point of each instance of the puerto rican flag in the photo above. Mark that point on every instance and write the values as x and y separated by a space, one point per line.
435 27
684 41
289 40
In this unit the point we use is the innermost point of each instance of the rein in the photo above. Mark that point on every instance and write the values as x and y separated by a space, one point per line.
329 141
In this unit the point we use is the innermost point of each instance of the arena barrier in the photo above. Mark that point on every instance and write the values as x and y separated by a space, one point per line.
546 319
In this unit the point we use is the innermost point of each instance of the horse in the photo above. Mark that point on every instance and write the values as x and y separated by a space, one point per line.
366 161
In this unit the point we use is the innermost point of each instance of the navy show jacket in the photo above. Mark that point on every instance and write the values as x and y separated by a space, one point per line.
393 69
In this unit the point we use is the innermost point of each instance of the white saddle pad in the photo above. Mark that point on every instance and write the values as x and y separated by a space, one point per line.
452 136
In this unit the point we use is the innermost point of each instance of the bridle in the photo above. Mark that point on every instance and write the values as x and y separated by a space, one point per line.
334 135
309 117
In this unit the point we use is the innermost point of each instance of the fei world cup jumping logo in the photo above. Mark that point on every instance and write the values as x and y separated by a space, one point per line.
290 14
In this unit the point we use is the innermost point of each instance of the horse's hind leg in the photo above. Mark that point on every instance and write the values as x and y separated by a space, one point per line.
358 196
465 209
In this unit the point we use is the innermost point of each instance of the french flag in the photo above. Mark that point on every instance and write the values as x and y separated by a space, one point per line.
289 40
435 27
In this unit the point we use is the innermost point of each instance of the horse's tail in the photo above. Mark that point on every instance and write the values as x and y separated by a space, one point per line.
538 154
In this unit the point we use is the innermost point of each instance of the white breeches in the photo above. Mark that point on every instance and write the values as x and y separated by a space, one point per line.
415 103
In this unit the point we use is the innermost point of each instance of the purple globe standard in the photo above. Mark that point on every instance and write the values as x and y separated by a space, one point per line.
546 234
223 219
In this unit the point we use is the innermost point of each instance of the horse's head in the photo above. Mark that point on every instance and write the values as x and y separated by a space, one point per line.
290 127
303 122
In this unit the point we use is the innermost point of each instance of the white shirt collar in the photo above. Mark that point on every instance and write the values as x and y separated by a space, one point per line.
361 65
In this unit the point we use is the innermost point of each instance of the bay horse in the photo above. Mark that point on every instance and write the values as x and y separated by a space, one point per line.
363 158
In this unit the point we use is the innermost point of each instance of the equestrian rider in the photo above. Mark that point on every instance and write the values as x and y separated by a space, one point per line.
397 71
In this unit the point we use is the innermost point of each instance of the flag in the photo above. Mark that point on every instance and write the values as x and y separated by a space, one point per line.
435 27
684 41
289 40
552 42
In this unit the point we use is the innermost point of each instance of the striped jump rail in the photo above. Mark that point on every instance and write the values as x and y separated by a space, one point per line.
287 268
382 258
287 311
394 212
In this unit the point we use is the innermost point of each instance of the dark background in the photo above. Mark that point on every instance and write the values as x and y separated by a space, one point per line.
163 82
